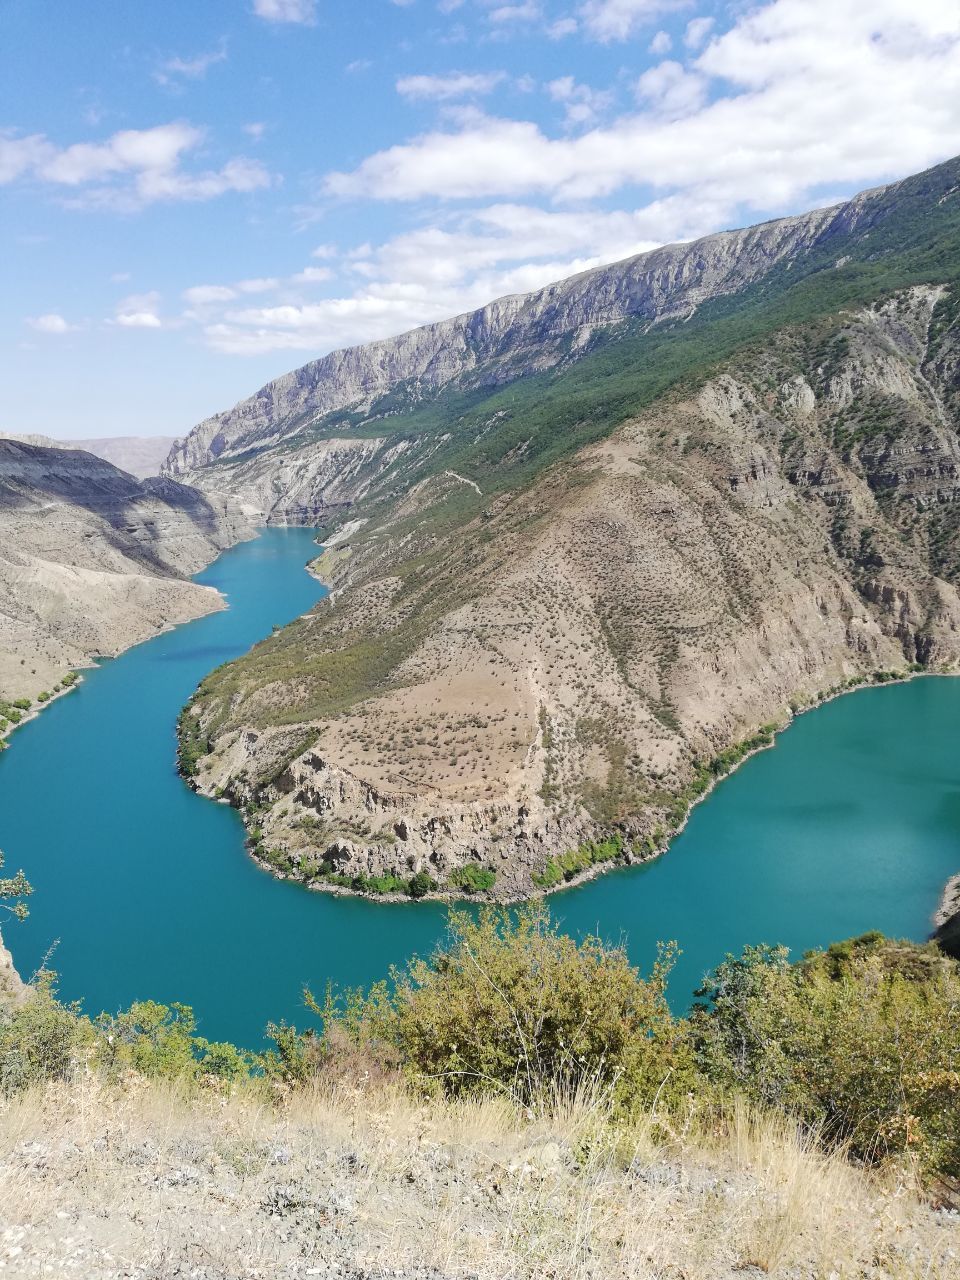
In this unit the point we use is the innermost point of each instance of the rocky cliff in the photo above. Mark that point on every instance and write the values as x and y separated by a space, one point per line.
516 336
562 608
93 560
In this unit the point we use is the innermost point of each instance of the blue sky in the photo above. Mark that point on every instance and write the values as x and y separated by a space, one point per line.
197 197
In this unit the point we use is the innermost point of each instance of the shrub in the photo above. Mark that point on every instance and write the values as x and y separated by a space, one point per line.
473 878
420 885
40 1038
511 1005
861 1041
159 1040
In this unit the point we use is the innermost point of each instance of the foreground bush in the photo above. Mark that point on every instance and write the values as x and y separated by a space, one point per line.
511 1005
861 1042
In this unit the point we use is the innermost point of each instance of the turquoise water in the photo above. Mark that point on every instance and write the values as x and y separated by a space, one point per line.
851 822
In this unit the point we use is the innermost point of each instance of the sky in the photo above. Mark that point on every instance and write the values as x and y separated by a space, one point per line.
198 197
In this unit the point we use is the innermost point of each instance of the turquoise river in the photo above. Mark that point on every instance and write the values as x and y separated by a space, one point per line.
143 889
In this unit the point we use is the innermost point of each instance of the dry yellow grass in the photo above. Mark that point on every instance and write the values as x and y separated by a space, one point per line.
140 1181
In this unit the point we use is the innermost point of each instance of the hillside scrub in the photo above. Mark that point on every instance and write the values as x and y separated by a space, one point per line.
858 1045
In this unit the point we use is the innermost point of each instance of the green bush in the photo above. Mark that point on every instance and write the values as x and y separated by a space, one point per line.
473 878
159 1040
420 885
861 1041
566 866
40 1038
511 1005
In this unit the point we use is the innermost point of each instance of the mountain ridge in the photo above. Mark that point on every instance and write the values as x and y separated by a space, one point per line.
302 390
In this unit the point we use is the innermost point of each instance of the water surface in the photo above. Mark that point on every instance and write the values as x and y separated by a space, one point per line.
143 888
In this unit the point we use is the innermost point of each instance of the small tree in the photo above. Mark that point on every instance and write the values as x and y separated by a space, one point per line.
13 889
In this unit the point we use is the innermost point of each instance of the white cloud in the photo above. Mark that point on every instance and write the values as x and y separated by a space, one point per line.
261 284
696 32
255 130
302 11
528 11
671 90
139 311
582 105
19 156
202 294
130 169
175 69
562 27
807 95
444 88
139 320
50 323
619 19
312 275
661 43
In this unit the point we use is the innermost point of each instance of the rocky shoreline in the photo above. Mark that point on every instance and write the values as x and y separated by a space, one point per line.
946 918
635 851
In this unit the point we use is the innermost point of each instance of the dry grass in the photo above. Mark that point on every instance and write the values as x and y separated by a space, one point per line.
139 1181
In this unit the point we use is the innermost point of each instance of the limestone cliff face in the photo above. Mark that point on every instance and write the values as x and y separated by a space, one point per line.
551 671
93 560
510 337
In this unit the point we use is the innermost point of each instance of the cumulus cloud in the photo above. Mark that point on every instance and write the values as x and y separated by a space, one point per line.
696 32
139 311
130 169
672 90
302 11
50 323
582 105
445 88
796 104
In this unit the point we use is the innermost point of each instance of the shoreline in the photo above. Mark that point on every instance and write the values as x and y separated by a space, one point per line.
948 908
93 660
633 860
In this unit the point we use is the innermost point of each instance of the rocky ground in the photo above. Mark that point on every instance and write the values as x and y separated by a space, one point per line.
137 1182
93 560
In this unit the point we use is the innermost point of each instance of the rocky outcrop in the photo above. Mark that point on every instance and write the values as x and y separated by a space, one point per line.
12 987
946 920
93 560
